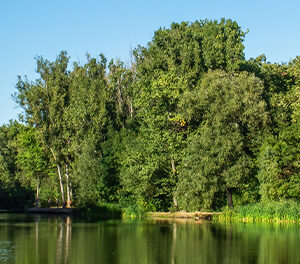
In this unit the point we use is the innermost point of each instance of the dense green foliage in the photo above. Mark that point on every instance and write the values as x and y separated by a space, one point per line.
189 125
12 192
219 155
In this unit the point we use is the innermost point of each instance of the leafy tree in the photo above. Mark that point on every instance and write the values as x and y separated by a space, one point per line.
8 152
32 160
171 65
146 170
190 49
219 155
12 193
278 163
85 116
156 143
44 103
278 160
121 82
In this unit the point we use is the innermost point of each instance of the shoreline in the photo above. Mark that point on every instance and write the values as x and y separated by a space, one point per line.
182 215
51 210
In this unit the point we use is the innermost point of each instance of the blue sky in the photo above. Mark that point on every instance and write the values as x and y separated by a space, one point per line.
30 28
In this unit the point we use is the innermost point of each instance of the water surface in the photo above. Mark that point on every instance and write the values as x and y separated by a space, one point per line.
47 239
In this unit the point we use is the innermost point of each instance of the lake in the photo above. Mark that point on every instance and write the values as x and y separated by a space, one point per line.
51 239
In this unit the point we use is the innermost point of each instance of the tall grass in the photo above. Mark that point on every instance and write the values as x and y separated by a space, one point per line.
101 211
283 211
133 212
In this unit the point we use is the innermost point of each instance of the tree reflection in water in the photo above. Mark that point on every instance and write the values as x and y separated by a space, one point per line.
43 239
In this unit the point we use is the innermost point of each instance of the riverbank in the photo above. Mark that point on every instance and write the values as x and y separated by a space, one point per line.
51 210
108 212
182 215
283 212
8 211
105 212
101 212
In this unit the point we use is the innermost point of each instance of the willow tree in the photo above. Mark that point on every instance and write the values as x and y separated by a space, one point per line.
231 114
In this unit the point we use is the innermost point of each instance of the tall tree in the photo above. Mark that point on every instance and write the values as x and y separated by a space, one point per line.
171 65
232 116
190 49
44 103
87 119
279 157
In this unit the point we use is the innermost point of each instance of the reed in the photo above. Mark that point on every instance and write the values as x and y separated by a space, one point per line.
101 211
281 211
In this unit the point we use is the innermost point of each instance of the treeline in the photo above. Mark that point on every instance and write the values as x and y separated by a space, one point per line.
189 125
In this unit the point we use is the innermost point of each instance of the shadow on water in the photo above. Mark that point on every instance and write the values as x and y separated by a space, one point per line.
63 239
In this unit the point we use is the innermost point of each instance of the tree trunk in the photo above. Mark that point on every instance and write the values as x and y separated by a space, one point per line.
229 198
68 186
175 202
130 108
37 200
71 193
59 179
174 172
61 185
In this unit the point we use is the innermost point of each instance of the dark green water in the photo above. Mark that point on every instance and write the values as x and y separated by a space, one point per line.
40 239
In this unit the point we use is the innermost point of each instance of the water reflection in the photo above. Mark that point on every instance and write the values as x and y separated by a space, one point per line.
6 251
41 239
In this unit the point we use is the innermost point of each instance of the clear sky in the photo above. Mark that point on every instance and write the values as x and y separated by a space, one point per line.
114 27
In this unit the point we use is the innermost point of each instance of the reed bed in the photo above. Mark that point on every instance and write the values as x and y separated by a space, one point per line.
281 211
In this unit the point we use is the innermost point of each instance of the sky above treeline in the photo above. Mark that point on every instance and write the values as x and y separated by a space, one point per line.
33 27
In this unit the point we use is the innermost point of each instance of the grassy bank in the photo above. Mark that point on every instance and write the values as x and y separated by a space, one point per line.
283 211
